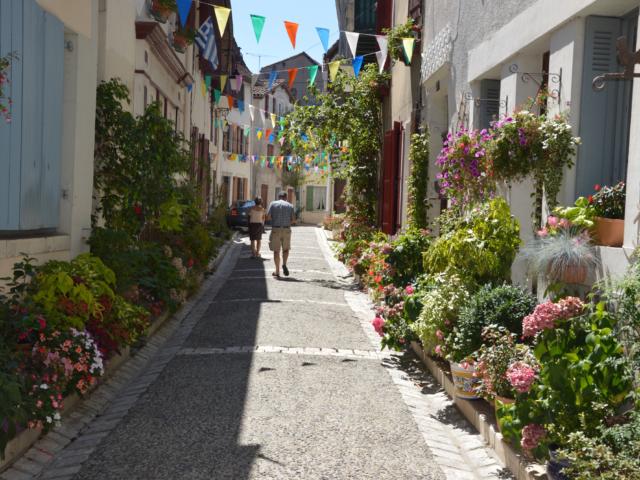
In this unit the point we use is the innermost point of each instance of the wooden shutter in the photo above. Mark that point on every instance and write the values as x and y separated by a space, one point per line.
31 145
264 193
310 199
384 11
489 108
391 163
605 114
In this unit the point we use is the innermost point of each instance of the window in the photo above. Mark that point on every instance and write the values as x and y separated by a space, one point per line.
266 103
166 108
31 146
146 97
365 16
274 106
489 108
226 143
316 199
176 117
224 190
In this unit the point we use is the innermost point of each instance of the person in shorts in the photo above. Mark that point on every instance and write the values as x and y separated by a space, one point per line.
282 215
256 226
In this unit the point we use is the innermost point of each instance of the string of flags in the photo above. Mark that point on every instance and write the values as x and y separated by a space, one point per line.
317 163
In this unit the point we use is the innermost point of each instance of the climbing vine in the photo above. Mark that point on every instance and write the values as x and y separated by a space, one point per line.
419 179
5 102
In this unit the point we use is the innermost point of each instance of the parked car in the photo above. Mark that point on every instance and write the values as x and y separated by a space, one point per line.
238 214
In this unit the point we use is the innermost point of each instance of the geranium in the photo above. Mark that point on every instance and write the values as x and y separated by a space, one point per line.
378 325
466 173
531 436
521 376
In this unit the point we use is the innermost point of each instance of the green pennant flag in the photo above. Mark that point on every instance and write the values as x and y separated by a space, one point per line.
258 25
216 95
313 71
207 81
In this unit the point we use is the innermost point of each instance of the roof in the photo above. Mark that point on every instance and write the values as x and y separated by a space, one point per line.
304 55
261 88
332 51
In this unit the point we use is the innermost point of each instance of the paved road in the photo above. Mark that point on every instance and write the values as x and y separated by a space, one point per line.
270 379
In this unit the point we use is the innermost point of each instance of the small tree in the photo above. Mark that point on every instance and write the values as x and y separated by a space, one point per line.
419 180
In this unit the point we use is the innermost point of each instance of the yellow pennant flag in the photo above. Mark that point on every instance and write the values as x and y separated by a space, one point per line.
273 119
222 15
203 87
333 69
223 82
407 44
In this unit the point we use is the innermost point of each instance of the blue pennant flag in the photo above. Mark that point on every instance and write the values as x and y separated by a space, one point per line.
183 10
241 105
272 78
323 33
206 41
190 87
357 64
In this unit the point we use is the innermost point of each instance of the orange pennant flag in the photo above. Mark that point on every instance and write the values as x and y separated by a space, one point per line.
292 75
230 100
292 30
267 134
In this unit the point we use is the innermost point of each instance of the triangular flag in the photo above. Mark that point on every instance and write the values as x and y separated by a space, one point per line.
241 106
273 119
238 82
247 131
207 81
223 82
222 15
272 78
292 31
190 87
281 141
407 45
259 134
323 33
333 69
258 25
183 10
268 133
203 88
381 56
313 71
292 76
356 63
251 112
216 95
352 40
230 101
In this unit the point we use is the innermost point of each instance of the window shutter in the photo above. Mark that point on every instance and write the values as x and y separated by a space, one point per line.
489 108
32 142
599 161
310 199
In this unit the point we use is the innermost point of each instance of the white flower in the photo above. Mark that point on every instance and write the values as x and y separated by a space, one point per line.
56 416
44 386
49 419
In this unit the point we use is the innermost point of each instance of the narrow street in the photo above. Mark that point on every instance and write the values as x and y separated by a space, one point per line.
268 378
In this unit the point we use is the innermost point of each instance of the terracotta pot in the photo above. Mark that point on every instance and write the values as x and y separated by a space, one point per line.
158 11
504 401
180 43
575 275
465 382
609 232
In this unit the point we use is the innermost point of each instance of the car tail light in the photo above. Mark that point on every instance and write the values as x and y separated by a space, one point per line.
234 212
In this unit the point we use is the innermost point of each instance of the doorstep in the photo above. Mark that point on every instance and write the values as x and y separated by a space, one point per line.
481 415
23 442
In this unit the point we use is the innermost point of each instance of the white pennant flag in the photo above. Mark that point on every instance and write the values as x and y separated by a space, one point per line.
352 40
381 56
251 112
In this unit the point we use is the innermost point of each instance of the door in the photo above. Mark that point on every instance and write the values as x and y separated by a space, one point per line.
264 193
390 168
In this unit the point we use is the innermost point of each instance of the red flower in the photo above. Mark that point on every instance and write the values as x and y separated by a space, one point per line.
137 209
590 198
190 263
597 187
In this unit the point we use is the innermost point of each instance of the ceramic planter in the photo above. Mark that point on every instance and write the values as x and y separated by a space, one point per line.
465 382
609 232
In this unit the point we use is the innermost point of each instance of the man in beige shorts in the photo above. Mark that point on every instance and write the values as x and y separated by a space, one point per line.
282 215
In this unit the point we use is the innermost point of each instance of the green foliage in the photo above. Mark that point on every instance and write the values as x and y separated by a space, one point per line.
395 36
481 246
5 64
418 181
501 306
405 258
580 215
609 202
583 379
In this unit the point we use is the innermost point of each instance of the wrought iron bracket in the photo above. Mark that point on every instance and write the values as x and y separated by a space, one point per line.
477 101
627 59
538 79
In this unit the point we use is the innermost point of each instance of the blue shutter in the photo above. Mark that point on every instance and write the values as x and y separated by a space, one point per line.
599 109
30 171
489 108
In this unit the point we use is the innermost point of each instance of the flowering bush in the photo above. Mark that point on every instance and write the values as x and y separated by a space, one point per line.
398 309
521 376
545 315
466 172
532 434
608 202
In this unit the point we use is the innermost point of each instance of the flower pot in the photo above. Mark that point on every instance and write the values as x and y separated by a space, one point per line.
555 466
180 43
609 232
574 274
504 401
158 11
465 382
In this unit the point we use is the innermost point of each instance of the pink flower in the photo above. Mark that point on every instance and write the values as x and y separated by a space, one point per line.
378 324
552 221
564 223
409 289
531 436
438 350
543 232
439 334
545 315
521 376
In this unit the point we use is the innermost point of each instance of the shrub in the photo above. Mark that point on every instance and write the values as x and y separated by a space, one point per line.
480 247
405 257
502 306
418 182
609 202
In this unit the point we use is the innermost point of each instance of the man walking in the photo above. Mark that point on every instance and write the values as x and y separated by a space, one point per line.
282 214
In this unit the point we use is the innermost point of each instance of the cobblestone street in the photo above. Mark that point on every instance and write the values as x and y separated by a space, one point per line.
266 378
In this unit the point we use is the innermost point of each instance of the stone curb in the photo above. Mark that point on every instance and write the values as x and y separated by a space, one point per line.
482 417
85 422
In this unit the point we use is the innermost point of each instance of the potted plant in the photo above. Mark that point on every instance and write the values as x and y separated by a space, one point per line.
608 207
395 36
182 37
160 10
564 257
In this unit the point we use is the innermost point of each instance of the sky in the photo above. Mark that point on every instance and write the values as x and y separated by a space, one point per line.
274 43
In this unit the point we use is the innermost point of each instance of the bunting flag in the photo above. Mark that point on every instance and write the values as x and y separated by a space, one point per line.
381 56
292 76
216 95
333 69
272 78
273 119
356 63
183 10
207 81
281 141
323 33
247 131
292 31
241 106
190 87
239 82
407 45
261 112
222 16
203 89
206 41
230 101
352 40
258 25
267 133
313 71
223 82
259 134
251 112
